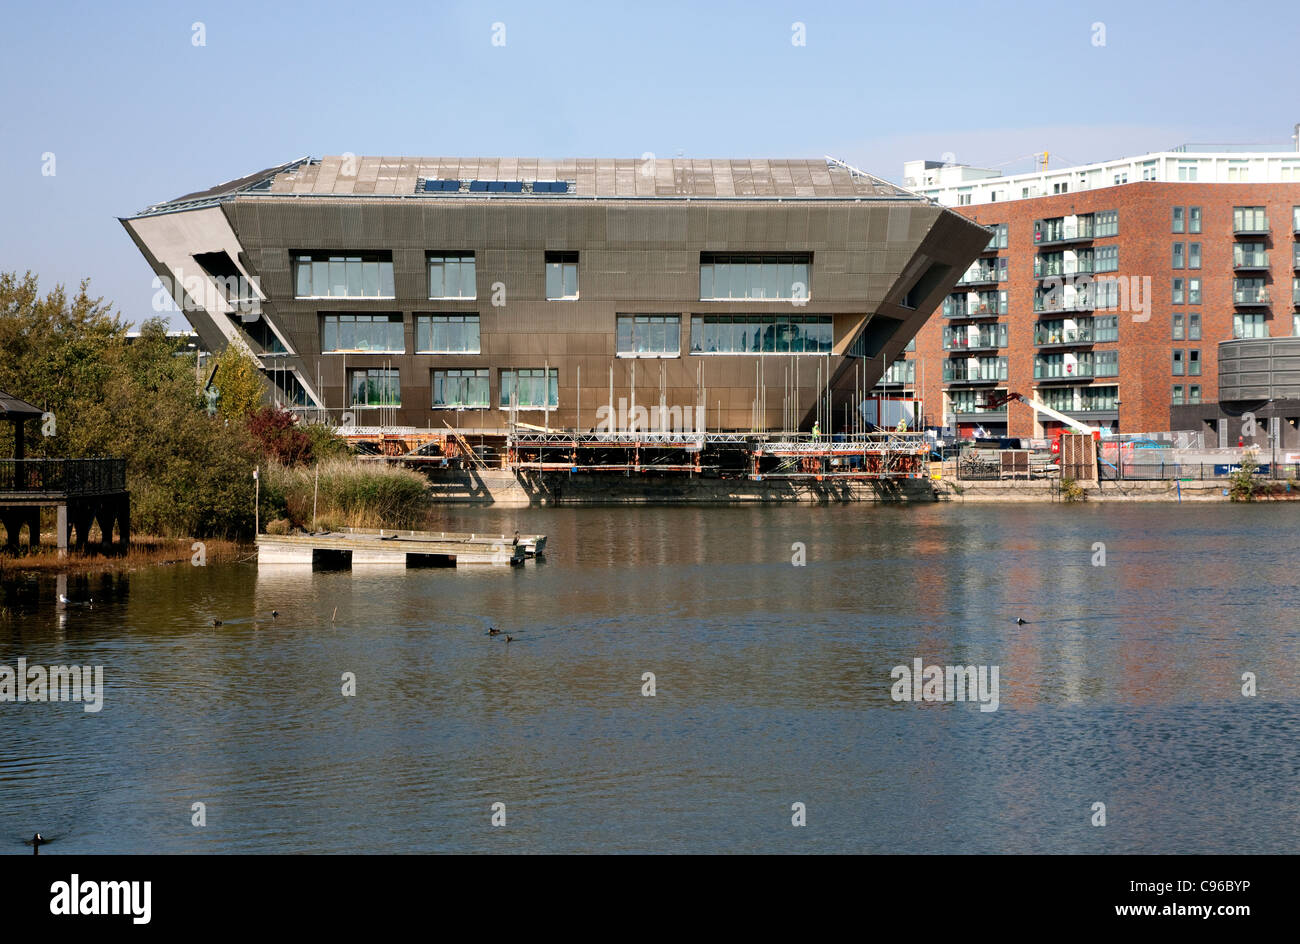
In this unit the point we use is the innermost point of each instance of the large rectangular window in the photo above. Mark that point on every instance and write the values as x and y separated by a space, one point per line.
561 276
451 275
999 238
1105 328
1105 363
374 386
1180 219
770 277
1194 362
460 389
1178 261
1179 291
1193 219
1106 223
369 334
649 335
1193 326
1193 291
761 334
447 334
343 275
1106 259
1179 328
1193 255
531 386
1178 363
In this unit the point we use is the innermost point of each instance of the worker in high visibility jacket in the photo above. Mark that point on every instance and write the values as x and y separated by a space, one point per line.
817 430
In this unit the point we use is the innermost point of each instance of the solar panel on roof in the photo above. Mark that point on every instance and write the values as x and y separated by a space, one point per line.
478 186
513 186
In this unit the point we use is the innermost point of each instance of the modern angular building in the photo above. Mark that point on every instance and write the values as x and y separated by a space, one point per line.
1127 294
413 291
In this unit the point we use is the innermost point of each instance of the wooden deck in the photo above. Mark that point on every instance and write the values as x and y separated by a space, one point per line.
357 547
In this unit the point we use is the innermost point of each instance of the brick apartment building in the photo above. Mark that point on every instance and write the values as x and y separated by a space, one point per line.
1109 290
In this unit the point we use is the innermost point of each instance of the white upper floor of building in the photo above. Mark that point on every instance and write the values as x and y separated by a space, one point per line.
958 185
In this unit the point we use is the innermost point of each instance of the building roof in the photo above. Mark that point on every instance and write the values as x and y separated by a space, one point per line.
13 410
349 175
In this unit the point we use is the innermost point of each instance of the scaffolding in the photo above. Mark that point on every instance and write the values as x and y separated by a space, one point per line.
754 456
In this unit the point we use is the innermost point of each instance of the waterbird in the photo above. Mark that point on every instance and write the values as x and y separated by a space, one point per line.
1020 622
66 602
37 841
216 622
493 631
275 614
510 638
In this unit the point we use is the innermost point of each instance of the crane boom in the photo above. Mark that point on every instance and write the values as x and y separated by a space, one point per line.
1042 408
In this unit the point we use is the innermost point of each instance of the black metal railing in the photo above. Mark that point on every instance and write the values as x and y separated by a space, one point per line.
62 476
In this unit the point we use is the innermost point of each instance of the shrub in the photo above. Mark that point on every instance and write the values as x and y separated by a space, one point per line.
1072 491
1242 484
279 437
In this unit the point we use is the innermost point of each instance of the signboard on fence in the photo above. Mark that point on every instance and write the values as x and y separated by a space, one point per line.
1229 469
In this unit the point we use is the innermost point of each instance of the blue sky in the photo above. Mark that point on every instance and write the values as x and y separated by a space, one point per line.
134 112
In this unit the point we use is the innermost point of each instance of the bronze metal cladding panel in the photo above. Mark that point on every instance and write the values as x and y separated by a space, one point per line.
870 259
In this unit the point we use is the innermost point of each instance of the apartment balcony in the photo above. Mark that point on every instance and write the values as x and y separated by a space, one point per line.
960 374
1068 373
972 311
1249 261
973 345
1042 272
1254 226
1250 297
1082 302
982 276
1062 236
1074 337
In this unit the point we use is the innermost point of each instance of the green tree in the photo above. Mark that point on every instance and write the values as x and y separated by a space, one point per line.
239 384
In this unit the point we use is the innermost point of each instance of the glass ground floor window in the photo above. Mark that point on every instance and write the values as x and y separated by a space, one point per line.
460 389
531 386
374 386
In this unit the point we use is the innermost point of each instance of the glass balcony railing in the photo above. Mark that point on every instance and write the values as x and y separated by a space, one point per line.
977 372
1083 370
1079 301
1061 269
1081 335
1250 260
1250 295
1244 223
1047 232
975 342
982 274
